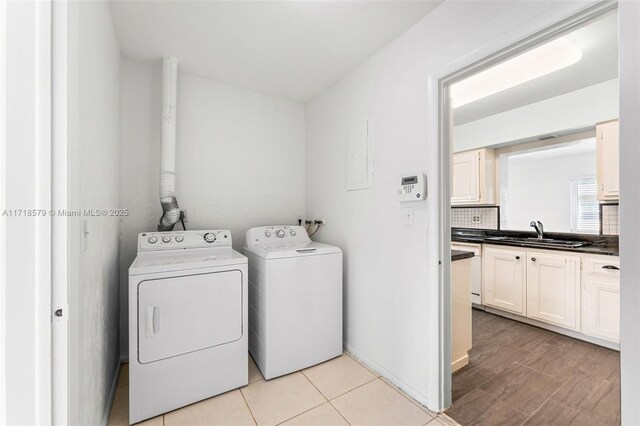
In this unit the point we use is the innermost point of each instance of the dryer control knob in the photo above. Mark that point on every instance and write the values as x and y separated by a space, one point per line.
152 240
292 233
267 234
209 237
179 238
166 239
280 233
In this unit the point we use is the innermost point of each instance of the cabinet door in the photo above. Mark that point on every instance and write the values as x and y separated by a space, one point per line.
553 289
503 279
601 299
466 178
608 160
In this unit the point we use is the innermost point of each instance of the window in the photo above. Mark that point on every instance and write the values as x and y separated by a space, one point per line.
585 215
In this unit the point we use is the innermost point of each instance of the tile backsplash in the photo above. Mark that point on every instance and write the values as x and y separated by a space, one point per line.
610 219
475 217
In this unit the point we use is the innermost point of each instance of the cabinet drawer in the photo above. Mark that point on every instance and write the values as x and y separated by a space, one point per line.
602 267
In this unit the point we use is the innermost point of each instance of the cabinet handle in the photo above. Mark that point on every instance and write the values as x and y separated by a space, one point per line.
533 259
615 268
517 257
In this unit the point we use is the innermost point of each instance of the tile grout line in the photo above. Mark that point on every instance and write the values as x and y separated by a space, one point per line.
541 372
522 363
546 400
336 408
247 404
411 400
351 390
312 408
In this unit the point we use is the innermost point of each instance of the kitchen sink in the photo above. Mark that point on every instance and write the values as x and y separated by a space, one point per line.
542 242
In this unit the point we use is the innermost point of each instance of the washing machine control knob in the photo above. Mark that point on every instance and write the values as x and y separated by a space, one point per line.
152 240
267 234
166 239
179 238
292 233
280 233
209 237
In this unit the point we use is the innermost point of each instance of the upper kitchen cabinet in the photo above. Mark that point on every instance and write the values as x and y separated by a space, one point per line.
474 178
608 161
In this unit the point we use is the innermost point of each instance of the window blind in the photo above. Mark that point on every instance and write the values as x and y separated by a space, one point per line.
585 214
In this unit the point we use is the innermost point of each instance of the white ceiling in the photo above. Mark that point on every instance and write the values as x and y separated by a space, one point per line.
599 44
291 49
586 146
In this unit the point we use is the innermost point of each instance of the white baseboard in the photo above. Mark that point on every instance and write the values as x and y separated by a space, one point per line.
112 395
458 364
418 396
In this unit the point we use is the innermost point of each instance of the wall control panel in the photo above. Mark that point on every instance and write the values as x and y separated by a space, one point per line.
174 240
275 235
412 188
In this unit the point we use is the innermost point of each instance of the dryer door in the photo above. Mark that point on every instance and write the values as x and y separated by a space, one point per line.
183 314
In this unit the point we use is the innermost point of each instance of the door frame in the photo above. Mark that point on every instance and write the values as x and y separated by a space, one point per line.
29 67
60 201
439 111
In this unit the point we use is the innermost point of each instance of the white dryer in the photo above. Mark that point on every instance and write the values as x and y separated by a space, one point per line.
295 299
187 320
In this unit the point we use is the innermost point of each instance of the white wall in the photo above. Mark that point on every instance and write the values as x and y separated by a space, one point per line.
580 109
388 269
539 189
629 30
94 146
240 160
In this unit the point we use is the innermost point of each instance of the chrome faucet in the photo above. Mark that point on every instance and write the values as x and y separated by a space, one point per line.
537 225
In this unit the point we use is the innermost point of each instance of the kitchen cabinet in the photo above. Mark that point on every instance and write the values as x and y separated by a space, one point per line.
553 288
601 298
504 279
476 269
473 177
608 160
461 311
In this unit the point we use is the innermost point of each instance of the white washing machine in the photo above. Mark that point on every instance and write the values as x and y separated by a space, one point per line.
187 320
295 299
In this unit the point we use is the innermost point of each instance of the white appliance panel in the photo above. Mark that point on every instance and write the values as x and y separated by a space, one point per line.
187 321
182 314
303 313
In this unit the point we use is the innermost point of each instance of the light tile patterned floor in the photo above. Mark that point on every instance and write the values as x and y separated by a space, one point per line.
338 392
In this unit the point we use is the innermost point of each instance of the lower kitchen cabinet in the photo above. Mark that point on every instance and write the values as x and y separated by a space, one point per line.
601 298
553 289
503 279
577 292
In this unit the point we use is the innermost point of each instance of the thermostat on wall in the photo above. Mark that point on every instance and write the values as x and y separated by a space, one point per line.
413 188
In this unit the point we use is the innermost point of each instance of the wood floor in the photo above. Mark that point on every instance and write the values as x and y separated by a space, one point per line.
520 374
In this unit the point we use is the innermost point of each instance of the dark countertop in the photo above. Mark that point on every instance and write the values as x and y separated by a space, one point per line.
460 254
600 244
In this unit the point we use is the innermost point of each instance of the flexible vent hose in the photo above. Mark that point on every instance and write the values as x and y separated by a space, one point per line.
170 208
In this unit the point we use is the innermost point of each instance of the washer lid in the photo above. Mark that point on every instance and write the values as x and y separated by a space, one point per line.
286 250
179 260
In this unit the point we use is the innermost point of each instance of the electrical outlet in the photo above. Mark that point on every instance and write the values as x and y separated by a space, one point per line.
475 219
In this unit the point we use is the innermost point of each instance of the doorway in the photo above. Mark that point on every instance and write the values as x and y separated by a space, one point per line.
520 330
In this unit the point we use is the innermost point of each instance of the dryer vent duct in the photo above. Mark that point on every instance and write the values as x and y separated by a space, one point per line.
170 208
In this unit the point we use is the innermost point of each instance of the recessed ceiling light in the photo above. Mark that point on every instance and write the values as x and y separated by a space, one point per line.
543 60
